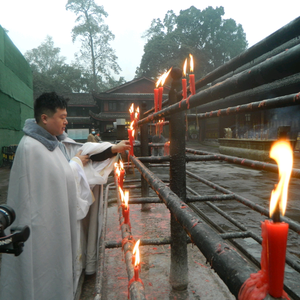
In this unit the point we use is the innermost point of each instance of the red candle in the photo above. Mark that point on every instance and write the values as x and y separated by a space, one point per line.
277 231
192 76
155 100
160 96
184 90
136 273
130 136
121 178
192 84
126 215
277 240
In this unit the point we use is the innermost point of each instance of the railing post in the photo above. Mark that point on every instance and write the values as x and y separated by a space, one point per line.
179 264
144 152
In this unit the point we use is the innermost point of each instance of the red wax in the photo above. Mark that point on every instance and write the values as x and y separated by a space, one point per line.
160 94
167 148
184 91
192 84
121 178
277 239
136 273
126 215
130 141
155 100
131 116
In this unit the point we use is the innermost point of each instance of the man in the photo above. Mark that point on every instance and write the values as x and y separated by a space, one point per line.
44 194
91 137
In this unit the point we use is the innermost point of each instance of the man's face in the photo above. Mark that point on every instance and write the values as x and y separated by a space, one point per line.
56 124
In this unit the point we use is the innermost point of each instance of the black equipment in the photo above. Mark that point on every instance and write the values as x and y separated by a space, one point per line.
14 242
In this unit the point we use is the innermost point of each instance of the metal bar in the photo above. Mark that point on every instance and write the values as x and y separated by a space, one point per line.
144 152
101 260
283 101
143 200
144 242
218 253
245 162
212 97
179 261
190 199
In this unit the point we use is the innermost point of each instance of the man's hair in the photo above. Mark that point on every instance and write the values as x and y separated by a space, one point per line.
47 104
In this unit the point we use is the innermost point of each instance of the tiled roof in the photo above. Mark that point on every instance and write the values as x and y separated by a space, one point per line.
80 99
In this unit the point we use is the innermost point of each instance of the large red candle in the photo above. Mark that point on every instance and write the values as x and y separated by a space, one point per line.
277 239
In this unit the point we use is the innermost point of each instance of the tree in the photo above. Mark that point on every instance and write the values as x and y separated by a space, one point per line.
95 37
51 73
211 40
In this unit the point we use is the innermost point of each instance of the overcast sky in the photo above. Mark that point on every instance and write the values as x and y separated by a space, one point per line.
30 21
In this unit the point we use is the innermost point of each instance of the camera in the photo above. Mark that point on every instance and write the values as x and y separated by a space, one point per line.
14 242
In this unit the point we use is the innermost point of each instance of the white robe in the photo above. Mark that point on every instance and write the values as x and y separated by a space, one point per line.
43 193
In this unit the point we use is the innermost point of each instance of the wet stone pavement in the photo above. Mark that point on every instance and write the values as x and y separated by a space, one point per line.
204 284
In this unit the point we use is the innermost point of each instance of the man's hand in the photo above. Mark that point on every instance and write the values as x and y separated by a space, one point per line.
121 147
84 158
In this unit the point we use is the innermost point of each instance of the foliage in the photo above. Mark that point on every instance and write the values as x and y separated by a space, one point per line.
96 55
51 73
211 40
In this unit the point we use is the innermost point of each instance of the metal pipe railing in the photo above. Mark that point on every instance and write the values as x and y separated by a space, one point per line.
209 243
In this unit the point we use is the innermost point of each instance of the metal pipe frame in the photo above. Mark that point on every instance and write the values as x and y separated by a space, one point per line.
218 253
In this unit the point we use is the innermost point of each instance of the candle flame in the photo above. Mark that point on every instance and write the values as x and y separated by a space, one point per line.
131 109
282 153
137 251
191 63
121 194
162 78
126 199
131 125
184 67
137 112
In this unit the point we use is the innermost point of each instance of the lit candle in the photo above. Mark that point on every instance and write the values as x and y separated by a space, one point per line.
136 250
192 76
137 114
131 111
122 199
277 231
130 136
126 208
184 90
155 99
121 175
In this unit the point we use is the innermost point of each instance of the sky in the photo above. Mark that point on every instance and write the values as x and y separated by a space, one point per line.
30 21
